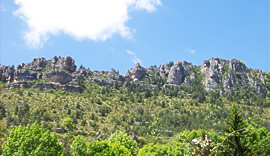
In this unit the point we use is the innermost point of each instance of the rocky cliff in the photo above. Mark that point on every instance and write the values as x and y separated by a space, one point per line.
214 74
57 73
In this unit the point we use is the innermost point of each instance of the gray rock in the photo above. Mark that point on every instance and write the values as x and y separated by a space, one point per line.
177 73
70 88
18 85
59 77
152 70
8 73
66 63
112 74
43 85
138 72
237 66
22 75
104 82
38 64
212 69
164 71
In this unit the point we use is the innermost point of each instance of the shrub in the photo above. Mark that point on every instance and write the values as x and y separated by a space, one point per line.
32 140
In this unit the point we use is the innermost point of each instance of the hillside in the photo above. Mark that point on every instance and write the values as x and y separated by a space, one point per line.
174 96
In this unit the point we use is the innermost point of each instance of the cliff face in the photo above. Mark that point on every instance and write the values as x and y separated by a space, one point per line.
57 73
214 74
231 75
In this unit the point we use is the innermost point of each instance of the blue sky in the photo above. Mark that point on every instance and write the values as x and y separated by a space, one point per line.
119 34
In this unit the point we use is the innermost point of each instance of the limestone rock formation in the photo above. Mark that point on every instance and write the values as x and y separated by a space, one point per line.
112 74
7 73
137 73
214 74
38 64
164 71
71 88
66 63
177 73
18 85
212 69
230 75
59 77
152 70
24 75
60 72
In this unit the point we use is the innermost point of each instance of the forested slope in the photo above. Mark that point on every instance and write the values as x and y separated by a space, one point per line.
153 104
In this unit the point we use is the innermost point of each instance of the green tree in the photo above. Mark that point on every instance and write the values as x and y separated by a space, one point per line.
105 148
197 142
31 140
67 123
79 147
125 141
258 141
160 150
235 144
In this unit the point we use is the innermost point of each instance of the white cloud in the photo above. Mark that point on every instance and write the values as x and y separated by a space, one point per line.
82 19
149 5
192 51
134 58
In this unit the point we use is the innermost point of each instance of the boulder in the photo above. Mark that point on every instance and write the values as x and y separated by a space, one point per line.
164 70
66 63
59 77
212 69
18 85
22 75
38 64
7 73
177 73
138 72
112 74
152 70
237 66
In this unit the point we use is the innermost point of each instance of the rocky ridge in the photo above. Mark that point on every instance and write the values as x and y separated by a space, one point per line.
57 73
215 74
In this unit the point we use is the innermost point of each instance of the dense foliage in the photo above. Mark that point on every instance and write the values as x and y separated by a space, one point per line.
32 140
250 138
156 117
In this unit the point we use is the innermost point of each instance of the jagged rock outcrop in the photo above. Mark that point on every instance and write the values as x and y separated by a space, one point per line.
18 85
7 73
70 88
231 75
112 74
212 69
237 66
152 70
23 75
38 64
137 73
178 73
65 63
62 73
164 71
59 77
104 82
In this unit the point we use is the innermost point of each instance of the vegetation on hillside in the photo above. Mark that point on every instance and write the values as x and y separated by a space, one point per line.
150 116
241 137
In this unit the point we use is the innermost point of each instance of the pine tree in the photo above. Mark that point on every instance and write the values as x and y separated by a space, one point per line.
236 131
